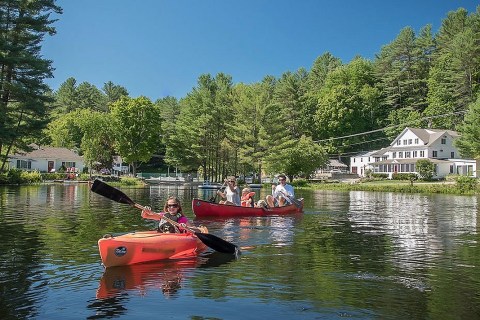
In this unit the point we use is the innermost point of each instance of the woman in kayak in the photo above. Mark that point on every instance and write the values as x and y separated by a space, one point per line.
171 210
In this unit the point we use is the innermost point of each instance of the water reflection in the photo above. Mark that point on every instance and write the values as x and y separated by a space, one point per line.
421 228
117 284
138 279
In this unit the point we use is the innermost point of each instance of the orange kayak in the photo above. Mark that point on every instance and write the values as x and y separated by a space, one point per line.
144 246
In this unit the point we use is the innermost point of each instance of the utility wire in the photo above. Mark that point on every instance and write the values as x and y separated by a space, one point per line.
391 127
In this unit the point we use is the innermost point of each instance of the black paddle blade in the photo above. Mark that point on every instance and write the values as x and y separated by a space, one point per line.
110 192
217 244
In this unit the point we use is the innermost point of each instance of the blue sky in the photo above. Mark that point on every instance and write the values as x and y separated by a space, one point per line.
159 48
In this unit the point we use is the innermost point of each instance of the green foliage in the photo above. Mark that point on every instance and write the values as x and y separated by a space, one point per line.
469 144
23 95
455 72
466 184
16 176
301 158
349 103
129 181
401 176
380 175
136 123
299 183
31 177
425 168
70 97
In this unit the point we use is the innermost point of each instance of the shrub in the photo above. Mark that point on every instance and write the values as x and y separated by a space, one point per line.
84 177
299 183
129 181
400 176
466 184
426 169
380 175
30 177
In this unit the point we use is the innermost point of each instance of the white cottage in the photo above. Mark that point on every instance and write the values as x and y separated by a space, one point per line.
411 145
46 159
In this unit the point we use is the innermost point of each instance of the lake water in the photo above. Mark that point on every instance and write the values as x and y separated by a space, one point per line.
350 255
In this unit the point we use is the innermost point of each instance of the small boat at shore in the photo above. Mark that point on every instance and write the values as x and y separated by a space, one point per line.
209 185
202 208
145 246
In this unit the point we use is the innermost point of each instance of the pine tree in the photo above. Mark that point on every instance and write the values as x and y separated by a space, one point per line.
23 94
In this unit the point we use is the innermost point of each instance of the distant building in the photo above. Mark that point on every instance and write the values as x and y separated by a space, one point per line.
333 168
46 159
411 145
118 167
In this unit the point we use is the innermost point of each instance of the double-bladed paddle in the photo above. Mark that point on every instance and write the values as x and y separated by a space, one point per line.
210 240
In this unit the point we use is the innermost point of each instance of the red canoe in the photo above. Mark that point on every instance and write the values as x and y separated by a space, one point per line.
202 208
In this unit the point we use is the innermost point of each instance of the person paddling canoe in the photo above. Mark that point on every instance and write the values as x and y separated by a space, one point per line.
281 193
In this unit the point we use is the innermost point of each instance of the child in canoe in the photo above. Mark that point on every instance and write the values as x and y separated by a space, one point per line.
247 198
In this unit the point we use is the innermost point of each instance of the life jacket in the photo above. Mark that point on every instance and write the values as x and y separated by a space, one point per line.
245 198
166 227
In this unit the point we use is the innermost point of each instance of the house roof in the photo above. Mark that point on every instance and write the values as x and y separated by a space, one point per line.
336 163
374 153
48 153
428 136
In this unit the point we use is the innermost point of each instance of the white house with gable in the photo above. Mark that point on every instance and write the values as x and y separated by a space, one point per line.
411 145
46 159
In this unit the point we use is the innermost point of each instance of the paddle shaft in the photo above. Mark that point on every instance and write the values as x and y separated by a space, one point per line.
214 199
138 206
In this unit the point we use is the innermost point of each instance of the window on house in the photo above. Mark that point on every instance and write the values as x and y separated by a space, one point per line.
415 153
394 155
400 154
68 164
452 155
399 142
434 154
361 159
385 158
409 141
404 142
451 169
422 154
24 164
444 141
354 159
416 141
407 154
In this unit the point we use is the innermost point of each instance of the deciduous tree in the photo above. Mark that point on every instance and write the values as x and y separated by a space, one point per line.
136 125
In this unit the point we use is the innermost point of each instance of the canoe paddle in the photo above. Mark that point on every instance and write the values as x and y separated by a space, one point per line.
295 201
214 198
210 240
